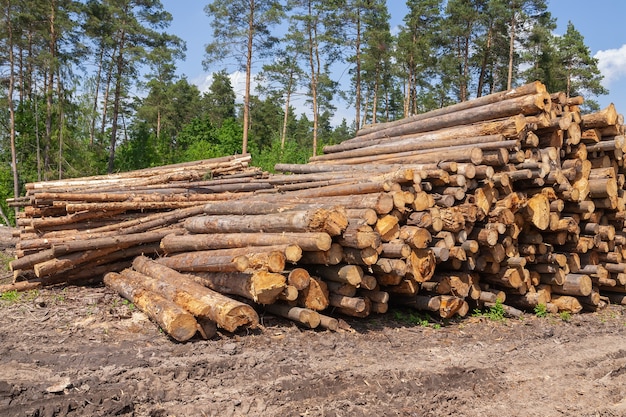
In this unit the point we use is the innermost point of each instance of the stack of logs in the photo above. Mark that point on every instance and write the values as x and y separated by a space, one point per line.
513 198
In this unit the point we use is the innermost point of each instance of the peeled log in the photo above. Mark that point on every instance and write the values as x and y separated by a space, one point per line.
226 312
332 221
310 241
174 320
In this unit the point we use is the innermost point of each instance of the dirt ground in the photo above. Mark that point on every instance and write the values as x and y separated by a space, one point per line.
84 352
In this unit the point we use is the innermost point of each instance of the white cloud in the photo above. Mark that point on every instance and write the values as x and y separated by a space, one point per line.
237 80
612 64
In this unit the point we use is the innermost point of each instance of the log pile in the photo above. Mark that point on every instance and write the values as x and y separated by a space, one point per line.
514 198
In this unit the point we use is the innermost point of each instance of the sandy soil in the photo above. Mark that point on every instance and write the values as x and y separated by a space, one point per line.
84 352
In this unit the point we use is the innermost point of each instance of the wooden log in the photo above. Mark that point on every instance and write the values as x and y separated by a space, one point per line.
118 242
303 316
262 287
527 89
72 261
359 236
508 277
567 303
299 278
414 143
356 304
385 224
227 313
174 320
396 249
350 274
356 310
415 236
365 257
389 266
509 310
600 119
528 104
331 221
419 302
205 261
574 284
421 264
449 306
376 296
333 256
347 290
315 296
537 211
309 241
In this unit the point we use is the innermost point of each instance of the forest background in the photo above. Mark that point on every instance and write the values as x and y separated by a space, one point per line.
92 87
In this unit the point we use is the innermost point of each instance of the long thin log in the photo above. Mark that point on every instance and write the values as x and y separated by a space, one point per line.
332 221
303 316
527 105
527 89
509 127
310 241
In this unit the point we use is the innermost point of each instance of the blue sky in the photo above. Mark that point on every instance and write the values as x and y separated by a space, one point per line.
601 23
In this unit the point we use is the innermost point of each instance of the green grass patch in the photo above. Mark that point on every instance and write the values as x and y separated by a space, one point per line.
541 310
415 319
495 312
10 297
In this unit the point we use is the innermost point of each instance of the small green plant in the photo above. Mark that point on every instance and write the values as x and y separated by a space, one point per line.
415 319
10 296
541 310
128 304
495 312
565 315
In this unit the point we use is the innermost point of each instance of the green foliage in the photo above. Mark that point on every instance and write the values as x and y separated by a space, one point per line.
495 312
292 153
219 101
415 319
6 191
10 296
541 310
128 304
565 315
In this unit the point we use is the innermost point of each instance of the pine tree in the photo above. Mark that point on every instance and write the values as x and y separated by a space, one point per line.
246 23
579 71
417 52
